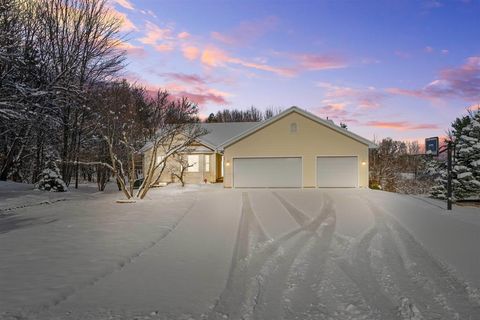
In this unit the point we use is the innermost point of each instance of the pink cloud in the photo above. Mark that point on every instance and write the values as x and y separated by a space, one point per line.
196 91
203 98
132 50
401 125
246 32
191 52
154 34
164 47
125 4
335 110
281 71
187 78
200 94
222 38
367 98
215 57
461 82
126 25
338 112
183 35
313 62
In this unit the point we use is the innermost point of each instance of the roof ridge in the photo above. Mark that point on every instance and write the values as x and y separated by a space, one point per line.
307 114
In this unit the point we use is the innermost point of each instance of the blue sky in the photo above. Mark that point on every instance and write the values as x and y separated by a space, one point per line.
403 69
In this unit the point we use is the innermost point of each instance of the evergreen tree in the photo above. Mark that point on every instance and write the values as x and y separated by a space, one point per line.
437 169
50 179
466 170
211 118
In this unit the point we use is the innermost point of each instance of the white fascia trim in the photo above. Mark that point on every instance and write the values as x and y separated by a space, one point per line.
309 115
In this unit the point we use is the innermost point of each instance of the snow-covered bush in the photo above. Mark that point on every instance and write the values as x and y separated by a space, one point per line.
50 179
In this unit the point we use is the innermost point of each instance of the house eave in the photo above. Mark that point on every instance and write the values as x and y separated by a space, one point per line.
308 115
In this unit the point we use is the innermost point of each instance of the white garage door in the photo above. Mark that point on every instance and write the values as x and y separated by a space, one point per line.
267 172
337 172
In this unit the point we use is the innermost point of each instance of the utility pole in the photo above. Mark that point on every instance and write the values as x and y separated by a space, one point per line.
449 149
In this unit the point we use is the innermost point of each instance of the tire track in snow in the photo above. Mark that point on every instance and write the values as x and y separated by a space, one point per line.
298 215
270 281
249 236
417 286
428 271
395 263
358 269
246 299
120 265
300 299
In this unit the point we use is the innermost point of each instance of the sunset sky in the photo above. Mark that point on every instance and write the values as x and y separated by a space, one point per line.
400 69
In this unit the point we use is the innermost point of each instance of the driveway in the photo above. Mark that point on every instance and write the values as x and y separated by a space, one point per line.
209 253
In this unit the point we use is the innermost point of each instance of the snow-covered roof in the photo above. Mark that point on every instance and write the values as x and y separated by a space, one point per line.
222 134
328 123
218 133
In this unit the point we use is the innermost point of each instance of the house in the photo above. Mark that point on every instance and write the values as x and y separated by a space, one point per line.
294 149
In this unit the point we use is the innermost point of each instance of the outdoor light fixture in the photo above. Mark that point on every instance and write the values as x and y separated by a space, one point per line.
228 163
364 163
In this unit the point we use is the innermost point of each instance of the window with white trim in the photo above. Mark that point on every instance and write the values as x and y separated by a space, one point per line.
207 163
193 163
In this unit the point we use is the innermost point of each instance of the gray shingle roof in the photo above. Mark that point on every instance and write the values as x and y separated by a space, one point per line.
223 134
220 132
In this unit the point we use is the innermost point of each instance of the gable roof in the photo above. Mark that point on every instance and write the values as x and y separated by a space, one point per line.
327 123
216 133
220 132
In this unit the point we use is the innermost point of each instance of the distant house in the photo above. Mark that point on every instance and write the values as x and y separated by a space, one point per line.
294 149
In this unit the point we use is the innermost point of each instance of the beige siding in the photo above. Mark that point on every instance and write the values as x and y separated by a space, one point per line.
190 177
198 177
311 140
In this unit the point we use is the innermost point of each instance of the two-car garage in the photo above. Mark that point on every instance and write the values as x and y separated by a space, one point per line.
296 149
287 172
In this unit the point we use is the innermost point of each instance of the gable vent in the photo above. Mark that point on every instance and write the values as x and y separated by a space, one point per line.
293 127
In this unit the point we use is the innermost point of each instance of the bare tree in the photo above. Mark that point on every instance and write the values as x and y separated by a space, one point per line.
78 44
178 166
176 125
51 53
271 112
384 164
129 121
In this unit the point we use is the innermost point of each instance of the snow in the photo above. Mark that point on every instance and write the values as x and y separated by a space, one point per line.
464 175
15 195
204 252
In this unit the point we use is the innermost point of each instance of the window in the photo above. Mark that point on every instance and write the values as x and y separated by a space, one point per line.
293 127
193 163
207 163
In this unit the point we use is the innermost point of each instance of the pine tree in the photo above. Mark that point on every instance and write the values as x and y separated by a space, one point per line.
466 171
437 170
50 179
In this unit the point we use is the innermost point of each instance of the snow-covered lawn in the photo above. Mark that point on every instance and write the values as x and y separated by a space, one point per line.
204 252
